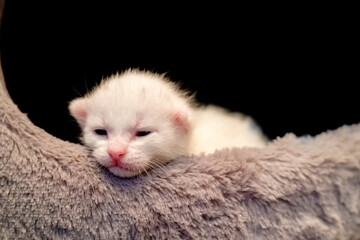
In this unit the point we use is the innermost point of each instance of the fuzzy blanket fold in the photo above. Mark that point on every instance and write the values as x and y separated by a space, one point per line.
295 188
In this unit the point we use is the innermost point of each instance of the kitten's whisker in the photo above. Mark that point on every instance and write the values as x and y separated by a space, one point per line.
157 167
77 92
146 172
85 80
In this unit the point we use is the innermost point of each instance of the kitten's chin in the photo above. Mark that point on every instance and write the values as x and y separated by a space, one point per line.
123 173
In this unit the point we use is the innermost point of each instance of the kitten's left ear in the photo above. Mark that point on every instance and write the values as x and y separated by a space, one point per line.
182 120
77 108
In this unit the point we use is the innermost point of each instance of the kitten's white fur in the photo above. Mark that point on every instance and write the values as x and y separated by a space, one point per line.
143 101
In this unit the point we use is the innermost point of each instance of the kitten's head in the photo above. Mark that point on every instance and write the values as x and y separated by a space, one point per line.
133 122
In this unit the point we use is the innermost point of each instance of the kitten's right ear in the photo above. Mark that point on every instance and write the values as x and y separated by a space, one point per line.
77 108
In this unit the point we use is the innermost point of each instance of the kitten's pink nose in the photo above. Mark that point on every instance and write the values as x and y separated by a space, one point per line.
117 153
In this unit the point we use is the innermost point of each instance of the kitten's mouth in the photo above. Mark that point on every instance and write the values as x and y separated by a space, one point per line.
123 166
126 167
122 169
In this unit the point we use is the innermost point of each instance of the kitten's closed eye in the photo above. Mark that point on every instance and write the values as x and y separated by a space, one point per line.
142 133
101 132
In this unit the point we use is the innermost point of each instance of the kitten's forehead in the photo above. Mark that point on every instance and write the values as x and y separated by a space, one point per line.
133 91
134 97
122 117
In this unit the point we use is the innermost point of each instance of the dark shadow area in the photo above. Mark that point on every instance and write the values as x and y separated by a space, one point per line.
291 72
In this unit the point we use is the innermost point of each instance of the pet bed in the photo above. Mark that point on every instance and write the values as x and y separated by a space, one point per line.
295 188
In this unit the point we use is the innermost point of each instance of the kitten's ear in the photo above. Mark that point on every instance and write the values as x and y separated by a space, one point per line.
77 108
182 120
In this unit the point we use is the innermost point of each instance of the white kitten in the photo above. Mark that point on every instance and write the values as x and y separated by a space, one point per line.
138 120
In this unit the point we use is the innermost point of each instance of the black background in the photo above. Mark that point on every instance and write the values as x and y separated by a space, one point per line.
293 68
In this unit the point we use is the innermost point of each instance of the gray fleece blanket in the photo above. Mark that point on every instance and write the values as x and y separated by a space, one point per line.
295 188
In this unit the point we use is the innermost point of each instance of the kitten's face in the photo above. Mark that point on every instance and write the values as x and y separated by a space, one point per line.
129 141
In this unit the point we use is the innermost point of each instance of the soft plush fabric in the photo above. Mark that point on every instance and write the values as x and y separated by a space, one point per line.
295 188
